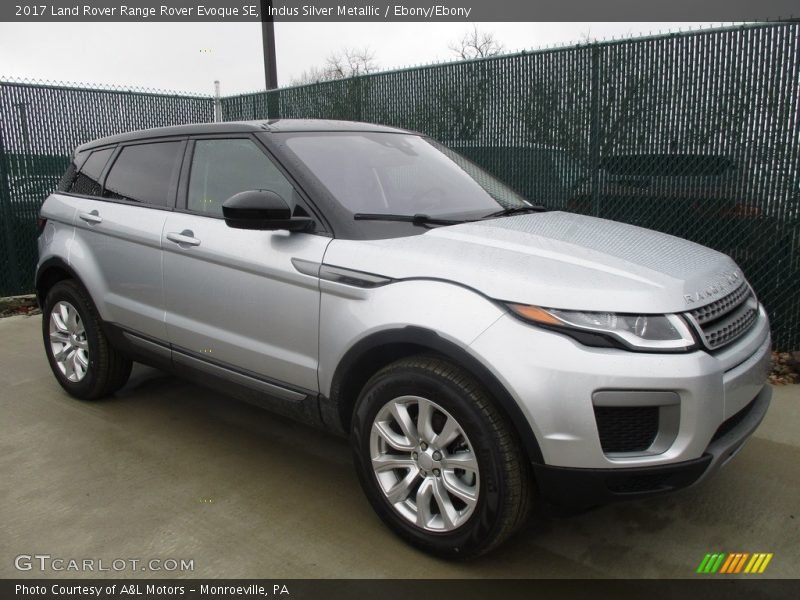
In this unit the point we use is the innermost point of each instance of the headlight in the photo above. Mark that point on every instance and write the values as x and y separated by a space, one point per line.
665 333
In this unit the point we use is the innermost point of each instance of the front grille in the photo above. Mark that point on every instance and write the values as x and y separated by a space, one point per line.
716 309
626 428
728 318
733 422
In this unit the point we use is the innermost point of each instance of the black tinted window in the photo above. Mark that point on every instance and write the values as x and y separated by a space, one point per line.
222 168
68 178
87 181
143 173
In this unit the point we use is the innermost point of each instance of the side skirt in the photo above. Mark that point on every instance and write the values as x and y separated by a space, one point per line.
275 396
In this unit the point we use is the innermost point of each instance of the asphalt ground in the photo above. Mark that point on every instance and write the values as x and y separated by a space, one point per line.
169 470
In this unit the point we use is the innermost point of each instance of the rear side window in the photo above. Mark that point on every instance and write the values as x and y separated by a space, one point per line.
87 181
222 168
68 178
144 173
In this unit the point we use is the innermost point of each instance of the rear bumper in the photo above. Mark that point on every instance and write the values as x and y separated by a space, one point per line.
583 488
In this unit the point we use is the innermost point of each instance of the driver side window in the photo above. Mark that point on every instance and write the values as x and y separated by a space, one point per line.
224 167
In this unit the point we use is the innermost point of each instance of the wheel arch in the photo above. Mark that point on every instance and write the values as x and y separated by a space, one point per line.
49 273
377 350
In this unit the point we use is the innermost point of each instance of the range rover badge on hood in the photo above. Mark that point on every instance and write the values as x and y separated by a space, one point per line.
726 282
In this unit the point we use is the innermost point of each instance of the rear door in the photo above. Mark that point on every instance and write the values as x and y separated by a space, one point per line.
234 297
118 226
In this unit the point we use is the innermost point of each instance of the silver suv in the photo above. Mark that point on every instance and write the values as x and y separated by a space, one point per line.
478 351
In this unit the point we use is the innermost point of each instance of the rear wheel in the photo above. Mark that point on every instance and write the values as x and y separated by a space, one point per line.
439 463
78 351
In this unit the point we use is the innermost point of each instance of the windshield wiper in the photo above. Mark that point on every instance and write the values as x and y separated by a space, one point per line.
515 210
417 219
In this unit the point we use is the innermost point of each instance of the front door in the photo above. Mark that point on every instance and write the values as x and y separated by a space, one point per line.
234 299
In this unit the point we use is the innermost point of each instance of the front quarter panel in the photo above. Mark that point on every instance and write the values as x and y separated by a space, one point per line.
350 314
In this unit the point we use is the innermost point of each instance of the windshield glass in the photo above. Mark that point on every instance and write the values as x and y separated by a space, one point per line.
389 173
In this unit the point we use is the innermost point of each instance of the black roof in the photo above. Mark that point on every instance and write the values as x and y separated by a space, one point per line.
271 126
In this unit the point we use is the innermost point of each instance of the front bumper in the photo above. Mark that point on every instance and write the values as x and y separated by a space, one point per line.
583 488
554 380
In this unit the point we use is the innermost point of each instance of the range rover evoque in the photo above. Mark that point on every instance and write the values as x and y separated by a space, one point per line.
481 353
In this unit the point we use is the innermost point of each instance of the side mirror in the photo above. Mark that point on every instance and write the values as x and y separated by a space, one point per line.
262 210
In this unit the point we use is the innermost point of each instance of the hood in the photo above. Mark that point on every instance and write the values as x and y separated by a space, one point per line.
556 260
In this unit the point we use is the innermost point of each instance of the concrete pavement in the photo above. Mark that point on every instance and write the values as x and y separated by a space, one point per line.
169 470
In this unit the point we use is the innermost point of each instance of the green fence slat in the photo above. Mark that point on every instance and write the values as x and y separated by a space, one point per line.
693 134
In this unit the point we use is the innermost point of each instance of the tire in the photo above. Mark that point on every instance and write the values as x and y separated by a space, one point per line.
406 484
89 368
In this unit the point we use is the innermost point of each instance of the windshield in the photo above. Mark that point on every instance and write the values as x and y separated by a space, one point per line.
389 173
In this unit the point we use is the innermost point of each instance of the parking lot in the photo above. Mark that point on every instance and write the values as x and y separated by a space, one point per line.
169 470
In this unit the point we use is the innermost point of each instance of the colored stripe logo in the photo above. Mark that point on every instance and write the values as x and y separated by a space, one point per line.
734 563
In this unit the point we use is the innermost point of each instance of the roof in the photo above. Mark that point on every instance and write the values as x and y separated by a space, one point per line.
271 126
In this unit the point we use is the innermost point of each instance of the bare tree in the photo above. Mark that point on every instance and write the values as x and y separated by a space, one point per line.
347 62
476 44
351 62
312 75
466 98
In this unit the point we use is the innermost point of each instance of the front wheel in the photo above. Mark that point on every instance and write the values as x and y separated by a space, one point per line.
437 460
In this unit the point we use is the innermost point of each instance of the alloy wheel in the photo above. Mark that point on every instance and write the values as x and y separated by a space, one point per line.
424 463
68 341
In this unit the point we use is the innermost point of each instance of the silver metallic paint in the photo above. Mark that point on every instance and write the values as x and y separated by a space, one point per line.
238 297
120 258
556 260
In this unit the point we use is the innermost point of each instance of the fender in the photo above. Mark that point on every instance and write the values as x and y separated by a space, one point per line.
389 345
44 281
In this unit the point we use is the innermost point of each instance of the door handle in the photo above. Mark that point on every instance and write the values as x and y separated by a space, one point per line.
184 238
91 217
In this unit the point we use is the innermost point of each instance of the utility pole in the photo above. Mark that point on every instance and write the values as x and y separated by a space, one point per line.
268 39
217 103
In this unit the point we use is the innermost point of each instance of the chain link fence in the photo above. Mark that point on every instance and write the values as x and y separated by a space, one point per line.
694 134
40 126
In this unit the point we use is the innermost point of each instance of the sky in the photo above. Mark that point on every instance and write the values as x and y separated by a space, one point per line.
188 57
